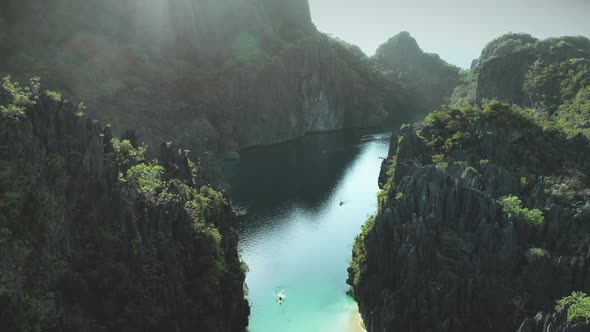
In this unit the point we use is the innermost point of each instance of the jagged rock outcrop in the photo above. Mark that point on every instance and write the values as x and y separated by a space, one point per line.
401 50
518 68
320 85
428 80
503 77
556 322
93 237
443 253
210 75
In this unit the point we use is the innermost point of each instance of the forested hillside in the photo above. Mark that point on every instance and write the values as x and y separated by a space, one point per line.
112 216
552 76
96 236
427 80
483 221
483 214
211 75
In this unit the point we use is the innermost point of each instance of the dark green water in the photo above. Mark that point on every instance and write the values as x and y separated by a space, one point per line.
306 202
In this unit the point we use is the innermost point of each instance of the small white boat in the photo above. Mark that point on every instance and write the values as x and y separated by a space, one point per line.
281 297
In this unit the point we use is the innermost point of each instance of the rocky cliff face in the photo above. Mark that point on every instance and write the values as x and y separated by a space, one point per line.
450 251
499 72
520 69
318 85
428 79
503 77
401 50
553 322
211 75
94 237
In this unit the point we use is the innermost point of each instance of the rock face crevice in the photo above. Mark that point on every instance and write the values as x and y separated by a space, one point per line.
443 255
82 250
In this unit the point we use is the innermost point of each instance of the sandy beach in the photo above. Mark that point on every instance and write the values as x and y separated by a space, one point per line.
356 323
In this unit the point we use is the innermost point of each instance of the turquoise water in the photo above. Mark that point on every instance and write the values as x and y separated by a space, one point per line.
306 202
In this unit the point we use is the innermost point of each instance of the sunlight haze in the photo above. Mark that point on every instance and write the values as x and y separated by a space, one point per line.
294 165
457 29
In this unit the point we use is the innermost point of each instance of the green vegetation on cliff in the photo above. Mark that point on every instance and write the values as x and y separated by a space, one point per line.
483 213
506 45
520 69
573 117
201 73
512 205
548 87
480 204
577 305
94 236
19 98
358 252
536 146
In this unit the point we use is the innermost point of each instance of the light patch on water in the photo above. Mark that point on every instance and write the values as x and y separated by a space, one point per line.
302 245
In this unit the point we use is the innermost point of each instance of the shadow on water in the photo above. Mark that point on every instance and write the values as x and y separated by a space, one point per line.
306 201
305 171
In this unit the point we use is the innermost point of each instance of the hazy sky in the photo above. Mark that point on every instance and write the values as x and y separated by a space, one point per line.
455 29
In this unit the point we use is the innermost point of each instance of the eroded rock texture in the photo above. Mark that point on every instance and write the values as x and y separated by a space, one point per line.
96 238
442 254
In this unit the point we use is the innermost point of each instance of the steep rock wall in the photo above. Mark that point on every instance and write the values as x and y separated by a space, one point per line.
503 77
84 249
310 89
442 254
520 69
211 75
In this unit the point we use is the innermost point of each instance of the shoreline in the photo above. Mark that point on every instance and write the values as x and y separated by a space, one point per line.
356 323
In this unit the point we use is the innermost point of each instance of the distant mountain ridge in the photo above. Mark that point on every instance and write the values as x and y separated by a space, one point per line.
483 215
511 68
428 80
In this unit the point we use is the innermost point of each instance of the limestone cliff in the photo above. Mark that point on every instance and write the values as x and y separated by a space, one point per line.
556 321
428 80
212 75
95 237
318 85
482 222
503 77
518 68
